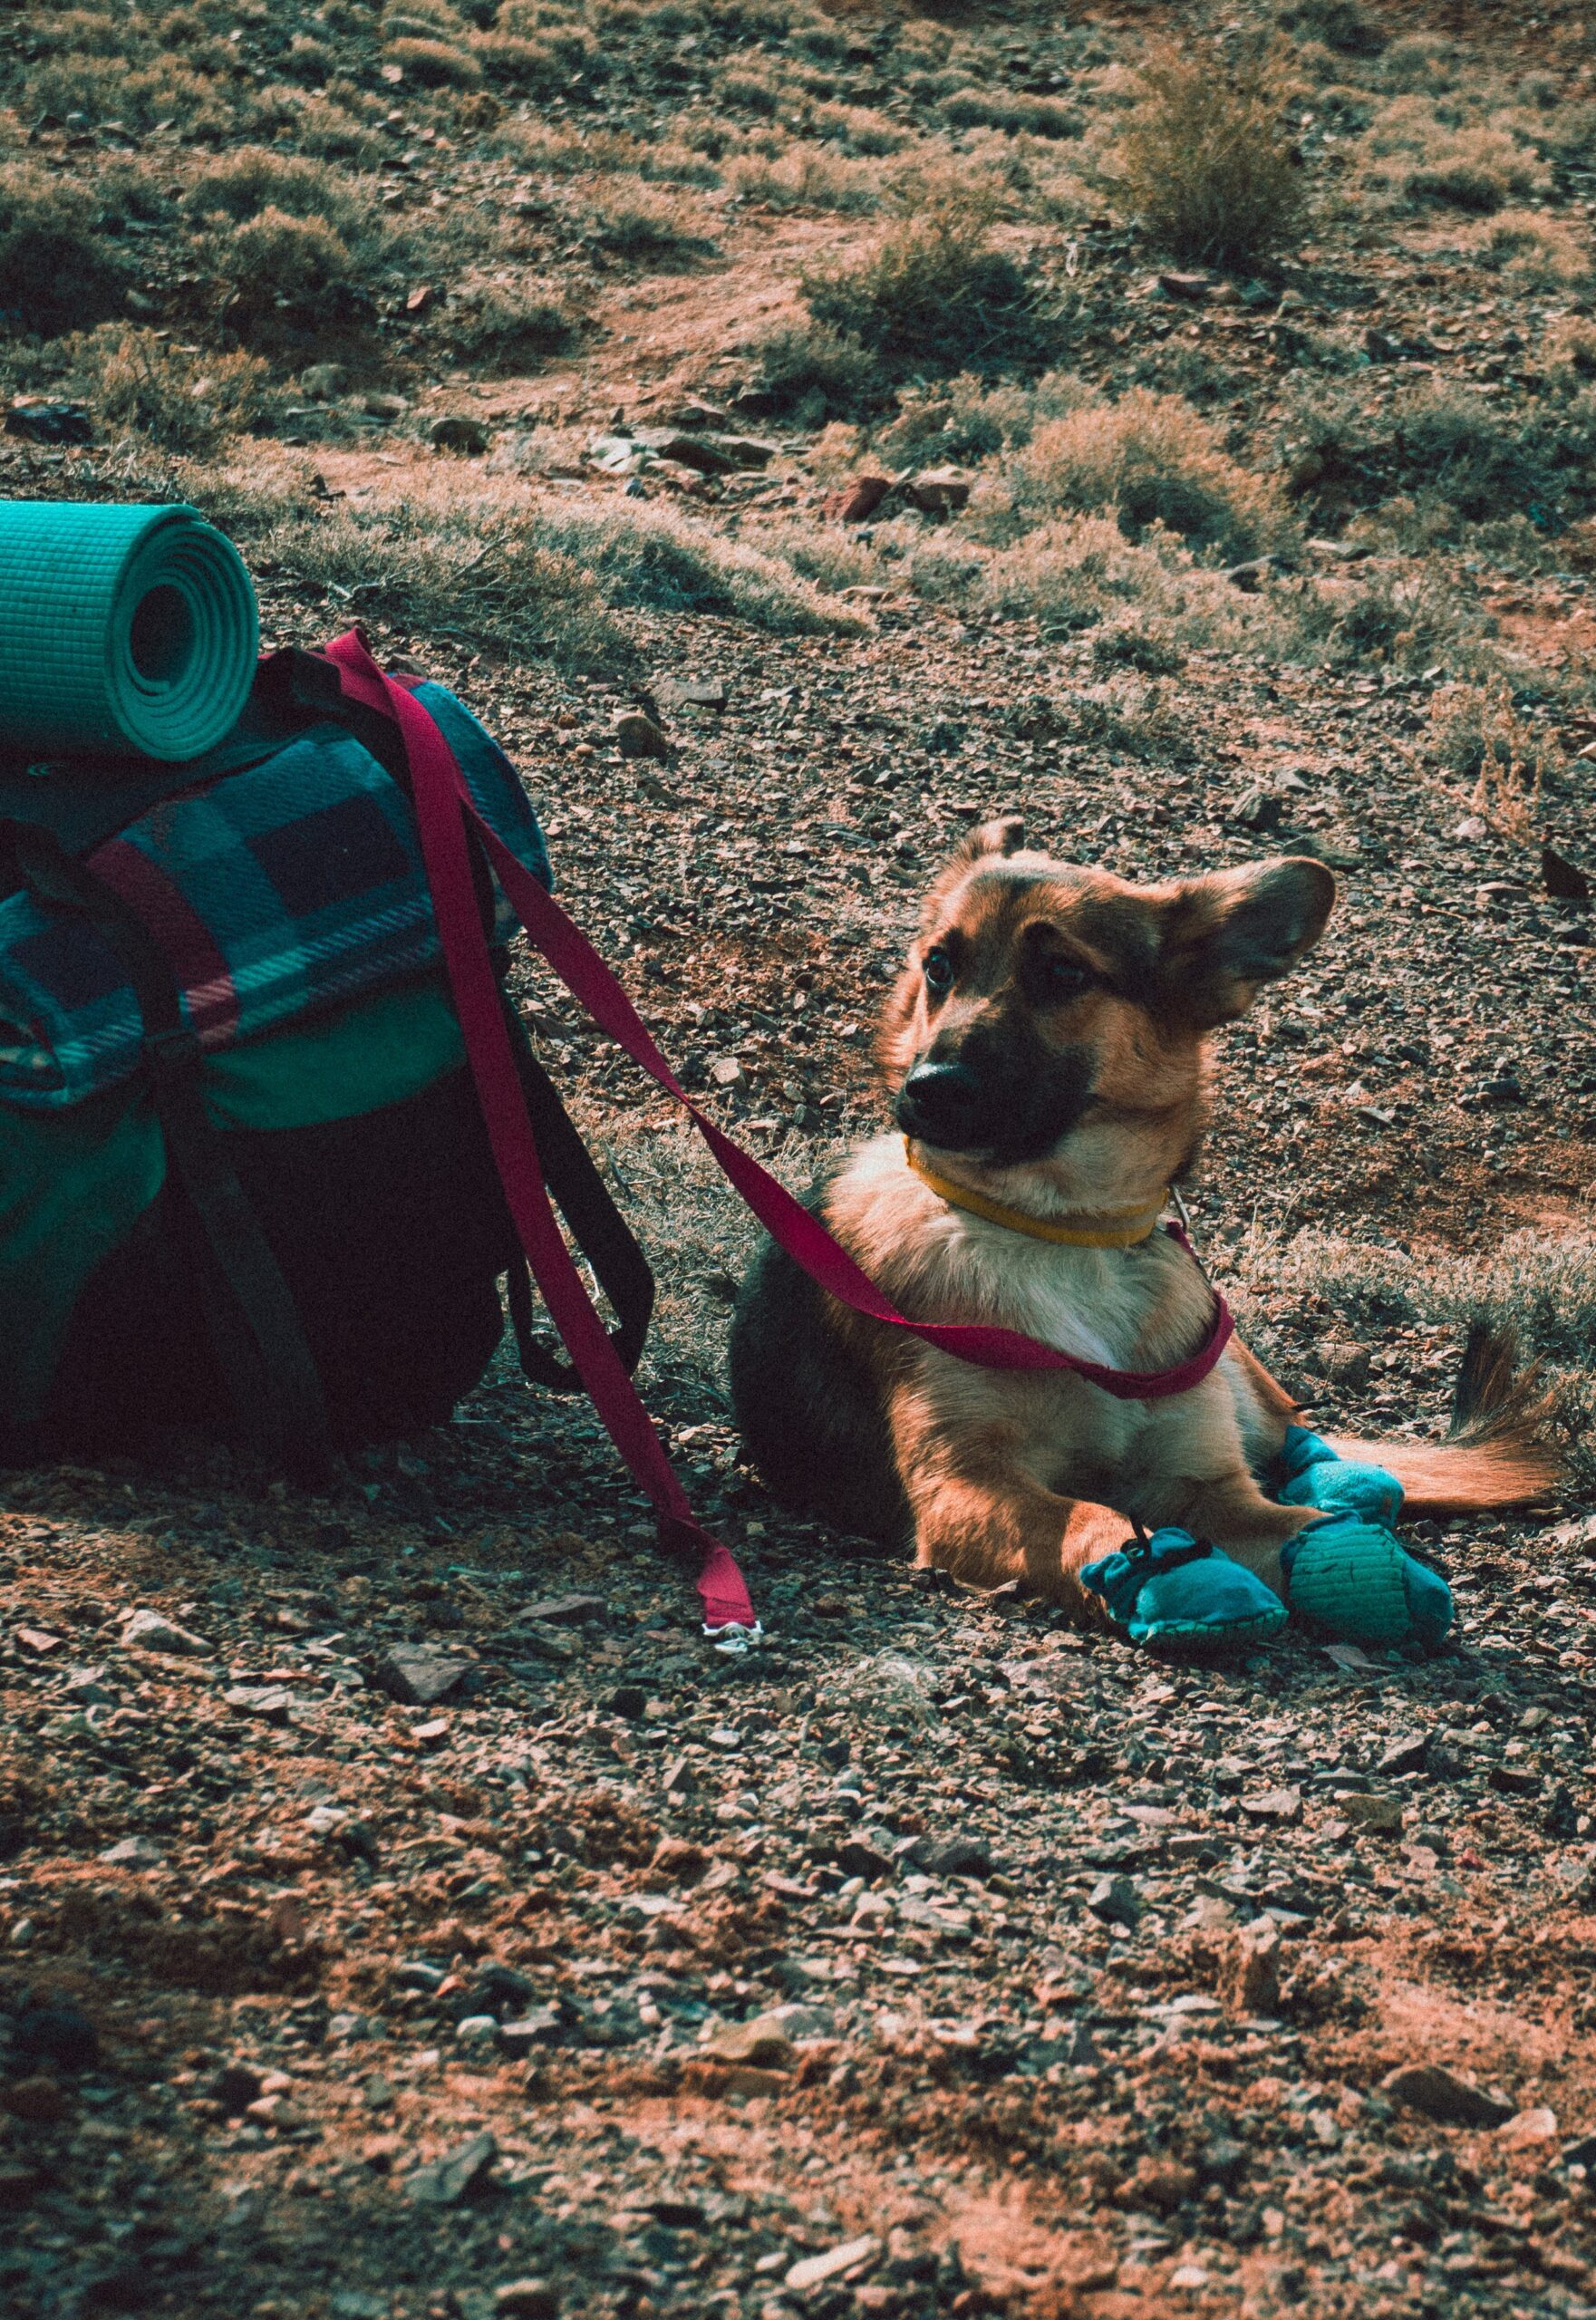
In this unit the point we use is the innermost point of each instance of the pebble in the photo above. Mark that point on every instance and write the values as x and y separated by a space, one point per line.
1440 2095
814 2271
145 1630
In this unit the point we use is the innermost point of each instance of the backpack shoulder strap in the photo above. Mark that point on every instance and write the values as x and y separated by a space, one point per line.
272 1378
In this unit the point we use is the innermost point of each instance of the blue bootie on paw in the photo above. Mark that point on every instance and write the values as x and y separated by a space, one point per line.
1172 1590
1316 1476
1354 1580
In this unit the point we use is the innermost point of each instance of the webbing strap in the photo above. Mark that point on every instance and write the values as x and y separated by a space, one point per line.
440 795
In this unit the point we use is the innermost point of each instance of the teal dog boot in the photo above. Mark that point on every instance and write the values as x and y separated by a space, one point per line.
1352 1580
1316 1476
1169 1589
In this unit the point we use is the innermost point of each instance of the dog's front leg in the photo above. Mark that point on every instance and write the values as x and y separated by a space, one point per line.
981 1515
1233 1513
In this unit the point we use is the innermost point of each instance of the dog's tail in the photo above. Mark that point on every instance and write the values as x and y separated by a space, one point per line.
1496 1453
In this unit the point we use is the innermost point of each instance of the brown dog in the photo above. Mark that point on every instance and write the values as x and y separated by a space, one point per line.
1045 1048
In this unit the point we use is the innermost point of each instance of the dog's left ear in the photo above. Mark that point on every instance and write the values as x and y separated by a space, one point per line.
1227 933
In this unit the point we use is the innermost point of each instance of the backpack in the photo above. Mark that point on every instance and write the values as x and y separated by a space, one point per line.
244 1182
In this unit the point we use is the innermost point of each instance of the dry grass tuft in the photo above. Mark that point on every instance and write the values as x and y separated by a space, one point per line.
1478 734
1150 460
1206 159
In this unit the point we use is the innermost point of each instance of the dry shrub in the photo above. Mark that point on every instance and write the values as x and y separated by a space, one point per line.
804 177
642 222
274 262
509 325
861 129
933 295
56 274
239 185
1532 251
1479 169
1206 159
1477 733
1150 460
434 63
1570 348
177 401
1011 111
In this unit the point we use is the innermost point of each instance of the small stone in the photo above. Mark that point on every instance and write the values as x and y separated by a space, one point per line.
940 492
1440 2095
132 1853
1189 286
270 1703
1343 1362
418 1974
38 2101
419 300
1114 1901
1257 809
951 1857
19 2183
728 1074
565 1610
542 2025
23 1932
696 415
454 432
477 2030
1406 1754
1563 878
693 693
444 2182
858 500
639 736
275 2111
1251 575
153 1631
1472 829
1380 1812
527 2299
235 2086
679 1860
386 408
812 2271
420 1675
1255 1968
1274 1805
322 381
760 2042
57 2033
1163 2183
1527 2130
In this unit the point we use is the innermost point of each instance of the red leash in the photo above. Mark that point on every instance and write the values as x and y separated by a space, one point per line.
444 810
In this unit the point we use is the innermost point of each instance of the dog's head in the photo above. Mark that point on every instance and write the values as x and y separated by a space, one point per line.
1054 1018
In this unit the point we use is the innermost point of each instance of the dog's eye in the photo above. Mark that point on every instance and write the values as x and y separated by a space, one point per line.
1064 976
938 969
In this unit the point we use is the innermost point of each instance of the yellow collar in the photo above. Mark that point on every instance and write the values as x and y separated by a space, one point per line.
1122 1228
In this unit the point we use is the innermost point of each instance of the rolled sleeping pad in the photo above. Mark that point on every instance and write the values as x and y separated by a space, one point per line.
122 630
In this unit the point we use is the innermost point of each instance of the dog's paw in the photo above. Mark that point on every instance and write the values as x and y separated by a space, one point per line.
1179 1594
1317 1476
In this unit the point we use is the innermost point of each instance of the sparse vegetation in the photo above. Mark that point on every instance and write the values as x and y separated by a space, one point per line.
1206 159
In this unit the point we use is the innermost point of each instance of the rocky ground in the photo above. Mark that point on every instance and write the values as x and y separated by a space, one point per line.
407 1917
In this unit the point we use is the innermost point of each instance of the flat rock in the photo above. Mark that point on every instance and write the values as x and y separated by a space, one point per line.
761 2041
814 2271
1440 2095
444 2182
418 1674
132 1853
153 1631
1381 1813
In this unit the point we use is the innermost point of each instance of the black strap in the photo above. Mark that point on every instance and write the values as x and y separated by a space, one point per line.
596 1225
257 1325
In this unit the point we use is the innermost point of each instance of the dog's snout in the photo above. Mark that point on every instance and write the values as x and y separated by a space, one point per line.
941 1103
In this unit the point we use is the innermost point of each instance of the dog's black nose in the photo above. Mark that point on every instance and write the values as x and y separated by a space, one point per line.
941 1103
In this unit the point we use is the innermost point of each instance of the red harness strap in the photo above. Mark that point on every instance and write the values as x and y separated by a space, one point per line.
444 810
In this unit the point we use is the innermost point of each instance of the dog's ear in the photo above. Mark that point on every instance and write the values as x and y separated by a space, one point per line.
1227 934
1005 833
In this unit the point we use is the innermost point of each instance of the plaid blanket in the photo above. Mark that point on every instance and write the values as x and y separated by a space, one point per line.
279 890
